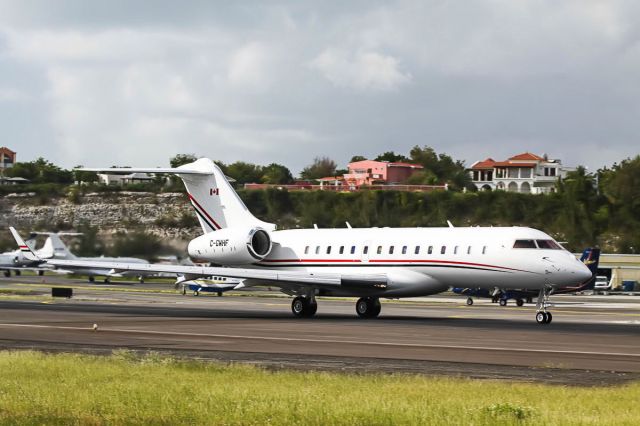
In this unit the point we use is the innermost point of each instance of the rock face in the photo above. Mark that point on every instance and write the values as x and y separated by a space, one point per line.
167 215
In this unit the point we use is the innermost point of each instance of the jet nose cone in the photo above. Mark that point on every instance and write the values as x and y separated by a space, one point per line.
584 273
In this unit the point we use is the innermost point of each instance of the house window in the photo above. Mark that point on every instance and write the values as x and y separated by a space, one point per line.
404 249
525 173
443 249
391 250
417 250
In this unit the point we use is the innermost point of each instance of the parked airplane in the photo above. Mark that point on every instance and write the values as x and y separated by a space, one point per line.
55 249
590 257
16 261
368 263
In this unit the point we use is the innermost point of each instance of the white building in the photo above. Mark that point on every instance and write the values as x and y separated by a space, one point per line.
527 173
115 179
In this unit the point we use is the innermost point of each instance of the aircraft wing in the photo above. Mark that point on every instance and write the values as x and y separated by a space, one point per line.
270 275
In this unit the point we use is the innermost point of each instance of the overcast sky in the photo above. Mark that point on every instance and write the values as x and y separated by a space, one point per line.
128 82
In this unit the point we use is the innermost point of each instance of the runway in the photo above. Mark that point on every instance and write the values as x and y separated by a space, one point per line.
436 335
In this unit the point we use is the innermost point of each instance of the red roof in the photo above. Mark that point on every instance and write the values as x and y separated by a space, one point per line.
489 163
526 156
331 178
399 164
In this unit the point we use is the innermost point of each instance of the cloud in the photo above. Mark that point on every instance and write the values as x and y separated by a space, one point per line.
360 70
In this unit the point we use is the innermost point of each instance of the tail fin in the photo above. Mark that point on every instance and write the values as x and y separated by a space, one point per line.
591 258
216 203
24 248
55 248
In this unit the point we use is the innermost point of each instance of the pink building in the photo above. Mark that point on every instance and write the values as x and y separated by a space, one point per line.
370 172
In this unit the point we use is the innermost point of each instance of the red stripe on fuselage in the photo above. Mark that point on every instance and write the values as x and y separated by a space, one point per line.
391 261
204 211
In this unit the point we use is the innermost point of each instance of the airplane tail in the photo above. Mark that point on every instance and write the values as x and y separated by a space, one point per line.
591 258
26 251
55 248
216 203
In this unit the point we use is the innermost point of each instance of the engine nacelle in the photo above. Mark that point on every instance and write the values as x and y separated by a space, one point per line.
231 246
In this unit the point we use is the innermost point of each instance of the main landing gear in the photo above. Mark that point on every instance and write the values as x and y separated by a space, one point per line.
304 307
368 307
542 316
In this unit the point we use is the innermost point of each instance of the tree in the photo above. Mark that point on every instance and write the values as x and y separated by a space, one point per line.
357 158
442 166
181 159
391 157
276 174
245 172
40 171
321 167
81 176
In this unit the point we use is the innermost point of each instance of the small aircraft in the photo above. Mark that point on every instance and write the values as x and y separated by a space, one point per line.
55 249
367 263
216 285
590 257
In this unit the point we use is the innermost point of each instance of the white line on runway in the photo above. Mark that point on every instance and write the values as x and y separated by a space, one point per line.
304 340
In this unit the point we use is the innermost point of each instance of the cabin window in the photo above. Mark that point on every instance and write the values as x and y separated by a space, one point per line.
484 249
417 250
328 249
525 244
404 249
306 250
548 244
353 249
317 249
430 249
391 250
379 251
365 250
469 250
443 249
455 250
341 249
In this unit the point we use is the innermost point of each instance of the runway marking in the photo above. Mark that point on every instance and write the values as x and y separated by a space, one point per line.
306 340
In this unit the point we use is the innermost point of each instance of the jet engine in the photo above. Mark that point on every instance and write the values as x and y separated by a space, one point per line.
231 246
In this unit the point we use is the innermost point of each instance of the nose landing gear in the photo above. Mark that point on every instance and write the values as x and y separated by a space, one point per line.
542 316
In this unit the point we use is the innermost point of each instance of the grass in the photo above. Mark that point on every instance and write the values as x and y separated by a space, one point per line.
125 388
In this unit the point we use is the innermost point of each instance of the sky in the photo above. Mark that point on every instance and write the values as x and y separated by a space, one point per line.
101 83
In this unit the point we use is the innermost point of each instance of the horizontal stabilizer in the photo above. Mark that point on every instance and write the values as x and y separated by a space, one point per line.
129 170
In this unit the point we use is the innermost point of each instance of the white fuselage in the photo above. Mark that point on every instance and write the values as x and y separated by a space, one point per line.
422 261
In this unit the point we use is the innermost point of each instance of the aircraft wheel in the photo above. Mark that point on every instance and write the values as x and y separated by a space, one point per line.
368 307
184 290
92 279
7 274
549 318
519 302
303 308
219 294
469 301
503 302
141 280
541 318
529 300
107 280
18 273
196 293
40 273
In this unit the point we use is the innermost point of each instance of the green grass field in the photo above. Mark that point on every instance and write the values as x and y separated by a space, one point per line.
127 389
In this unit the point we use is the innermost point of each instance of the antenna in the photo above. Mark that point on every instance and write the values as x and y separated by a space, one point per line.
450 224
315 226
348 224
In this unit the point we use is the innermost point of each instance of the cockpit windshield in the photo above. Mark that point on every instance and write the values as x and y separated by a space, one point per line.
537 244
